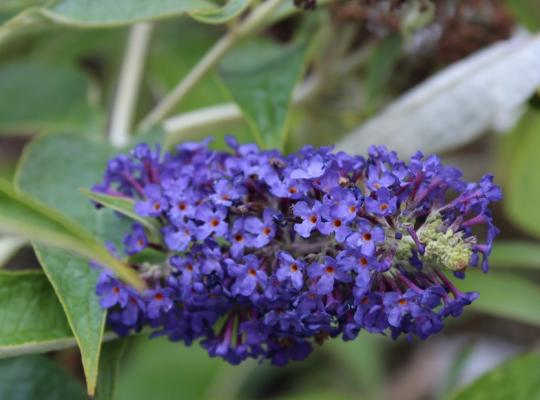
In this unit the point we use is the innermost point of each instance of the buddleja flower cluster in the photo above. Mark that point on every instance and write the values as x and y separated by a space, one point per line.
258 254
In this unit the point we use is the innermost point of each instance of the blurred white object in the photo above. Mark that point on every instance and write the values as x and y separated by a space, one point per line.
9 246
482 92
486 354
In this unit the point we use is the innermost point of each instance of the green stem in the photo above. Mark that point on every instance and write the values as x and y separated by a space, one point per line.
180 126
250 25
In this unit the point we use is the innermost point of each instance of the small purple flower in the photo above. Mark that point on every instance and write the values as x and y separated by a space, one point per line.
367 237
111 291
154 203
397 305
290 269
135 241
327 273
159 302
226 192
179 237
361 265
310 215
180 198
239 238
384 205
133 311
262 232
455 307
335 222
213 221
248 275
309 168
346 202
187 267
379 179
287 187
370 313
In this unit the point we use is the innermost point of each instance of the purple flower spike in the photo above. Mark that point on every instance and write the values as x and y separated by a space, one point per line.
260 255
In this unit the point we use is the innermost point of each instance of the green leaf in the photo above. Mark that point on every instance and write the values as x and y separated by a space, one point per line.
318 395
111 355
516 379
363 360
260 76
74 283
503 295
380 68
44 173
123 206
523 186
18 5
37 378
169 60
118 12
220 15
37 97
22 215
158 369
32 318
527 13
515 254
97 13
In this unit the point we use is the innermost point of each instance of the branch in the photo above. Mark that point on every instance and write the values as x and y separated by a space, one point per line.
202 120
210 59
129 83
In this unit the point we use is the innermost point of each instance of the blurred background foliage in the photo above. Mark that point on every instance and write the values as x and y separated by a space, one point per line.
461 78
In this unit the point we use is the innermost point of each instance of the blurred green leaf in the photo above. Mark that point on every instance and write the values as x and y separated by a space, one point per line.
159 369
516 379
38 97
220 15
37 378
315 396
22 215
118 12
32 318
380 67
362 359
109 363
97 13
170 59
515 254
503 295
527 13
74 283
523 185
17 5
260 76
53 168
